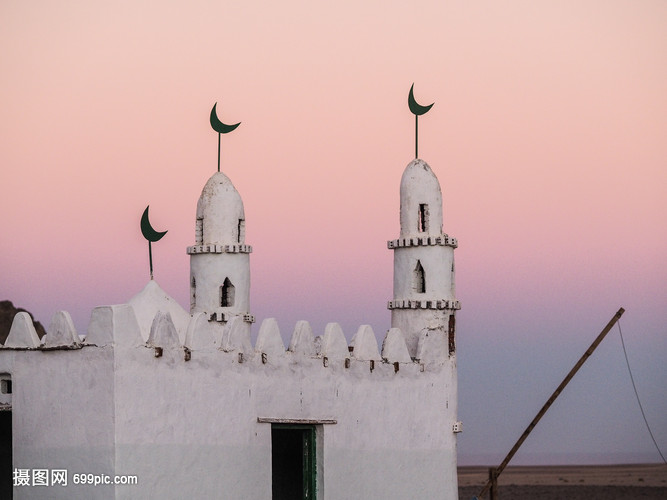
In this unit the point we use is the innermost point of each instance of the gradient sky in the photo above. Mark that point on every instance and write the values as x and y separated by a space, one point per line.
548 135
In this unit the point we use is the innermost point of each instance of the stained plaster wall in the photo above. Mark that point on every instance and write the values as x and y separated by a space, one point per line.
62 416
198 422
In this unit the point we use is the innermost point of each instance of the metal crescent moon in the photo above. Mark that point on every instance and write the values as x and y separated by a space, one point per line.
218 126
417 109
147 230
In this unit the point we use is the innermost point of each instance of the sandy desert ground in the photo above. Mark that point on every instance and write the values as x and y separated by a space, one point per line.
591 482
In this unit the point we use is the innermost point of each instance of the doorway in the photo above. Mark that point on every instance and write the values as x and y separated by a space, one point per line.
6 481
293 462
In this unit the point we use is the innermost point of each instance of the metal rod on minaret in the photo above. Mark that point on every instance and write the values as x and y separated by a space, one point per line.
219 134
416 109
416 136
150 258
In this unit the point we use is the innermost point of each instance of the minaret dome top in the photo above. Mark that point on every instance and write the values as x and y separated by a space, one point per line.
421 201
220 214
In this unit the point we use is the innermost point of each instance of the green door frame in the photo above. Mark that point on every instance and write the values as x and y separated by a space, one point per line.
309 464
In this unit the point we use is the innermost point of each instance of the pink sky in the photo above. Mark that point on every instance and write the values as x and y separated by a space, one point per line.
548 135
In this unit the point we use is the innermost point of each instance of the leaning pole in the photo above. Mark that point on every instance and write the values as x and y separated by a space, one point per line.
494 473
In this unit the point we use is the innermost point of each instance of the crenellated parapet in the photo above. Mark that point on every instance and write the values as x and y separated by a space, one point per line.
119 327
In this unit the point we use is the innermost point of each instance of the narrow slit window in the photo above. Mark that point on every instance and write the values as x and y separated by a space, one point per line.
227 294
419 280
199 232
240 238
423 218
193 293
452 334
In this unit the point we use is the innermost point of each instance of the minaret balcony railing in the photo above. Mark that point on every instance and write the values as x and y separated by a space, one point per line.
211 248
417 241
424 304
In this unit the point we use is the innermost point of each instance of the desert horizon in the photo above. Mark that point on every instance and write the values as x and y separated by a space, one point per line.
572 482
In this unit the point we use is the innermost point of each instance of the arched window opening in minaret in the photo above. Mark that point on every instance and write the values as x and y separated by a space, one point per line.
422 224
419 280
227 294
193 293
452 334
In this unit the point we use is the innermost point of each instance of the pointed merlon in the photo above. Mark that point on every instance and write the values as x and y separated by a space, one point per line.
163 332
334 345
365 345
126 329
235 337
201 334
394 347
113 325
61 331
302 341
269 340
100 327
22 333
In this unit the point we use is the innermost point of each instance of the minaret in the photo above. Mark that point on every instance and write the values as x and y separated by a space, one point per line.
424 292
424 303
220 258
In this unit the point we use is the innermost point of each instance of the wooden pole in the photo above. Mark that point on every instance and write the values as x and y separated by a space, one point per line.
493 479
553 397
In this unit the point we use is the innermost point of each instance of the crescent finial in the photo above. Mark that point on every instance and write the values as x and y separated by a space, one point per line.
416 108
218 126
147 230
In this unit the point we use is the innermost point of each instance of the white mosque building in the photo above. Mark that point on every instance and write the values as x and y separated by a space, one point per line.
159 402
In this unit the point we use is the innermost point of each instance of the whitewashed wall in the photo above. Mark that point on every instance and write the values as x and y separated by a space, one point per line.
189 429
